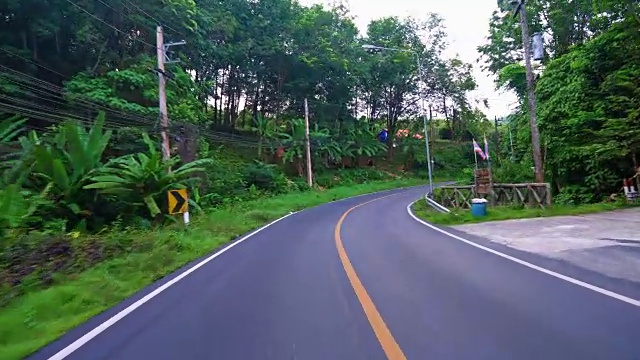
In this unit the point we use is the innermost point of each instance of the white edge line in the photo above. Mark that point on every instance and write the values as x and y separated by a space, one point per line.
114 319
600 290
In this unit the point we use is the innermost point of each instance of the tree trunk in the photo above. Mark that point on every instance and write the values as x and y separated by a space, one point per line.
299 167
215 99
229 93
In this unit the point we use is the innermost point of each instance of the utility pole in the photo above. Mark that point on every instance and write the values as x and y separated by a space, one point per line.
426 133
513 155
162 95
535 134
163 58
431 126
307 143
495 122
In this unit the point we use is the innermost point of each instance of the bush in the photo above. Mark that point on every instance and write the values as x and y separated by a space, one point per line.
350 177
265 177
508 171
450 158
574 195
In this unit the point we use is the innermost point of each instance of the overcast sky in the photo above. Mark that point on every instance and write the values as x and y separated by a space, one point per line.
467 23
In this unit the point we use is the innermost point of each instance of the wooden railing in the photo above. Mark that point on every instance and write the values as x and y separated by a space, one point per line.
527 195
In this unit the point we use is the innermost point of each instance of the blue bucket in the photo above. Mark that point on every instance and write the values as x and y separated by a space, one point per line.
478 207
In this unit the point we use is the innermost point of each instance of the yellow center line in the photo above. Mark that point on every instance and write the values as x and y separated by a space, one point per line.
388 343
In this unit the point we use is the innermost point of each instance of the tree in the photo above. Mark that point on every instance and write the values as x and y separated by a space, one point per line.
585 91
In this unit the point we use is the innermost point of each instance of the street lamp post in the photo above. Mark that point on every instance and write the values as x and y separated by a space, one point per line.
424 112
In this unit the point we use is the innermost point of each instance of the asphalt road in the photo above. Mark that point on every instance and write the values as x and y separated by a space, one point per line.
380 285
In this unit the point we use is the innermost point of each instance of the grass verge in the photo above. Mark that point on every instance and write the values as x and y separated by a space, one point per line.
42 315
457 217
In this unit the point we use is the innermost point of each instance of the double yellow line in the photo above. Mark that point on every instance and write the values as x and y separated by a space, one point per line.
386 339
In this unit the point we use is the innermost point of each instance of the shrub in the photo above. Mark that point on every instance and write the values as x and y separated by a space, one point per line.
265 177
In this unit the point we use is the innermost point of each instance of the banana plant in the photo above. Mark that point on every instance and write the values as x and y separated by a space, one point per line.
141 179
10 128
365 143
65 163
265 130
347 153
18 206
18 166
330 150
293 142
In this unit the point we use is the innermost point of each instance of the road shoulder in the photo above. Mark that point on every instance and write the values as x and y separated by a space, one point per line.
561 265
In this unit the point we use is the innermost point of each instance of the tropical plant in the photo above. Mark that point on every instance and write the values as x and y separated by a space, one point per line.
140 180
347 152
265 129
18 206
414 150
365 143
10 128
293 142
63 164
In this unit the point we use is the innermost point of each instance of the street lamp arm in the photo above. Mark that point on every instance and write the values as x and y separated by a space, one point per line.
375 47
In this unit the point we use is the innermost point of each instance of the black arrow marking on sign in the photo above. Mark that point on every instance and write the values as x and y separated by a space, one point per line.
179 200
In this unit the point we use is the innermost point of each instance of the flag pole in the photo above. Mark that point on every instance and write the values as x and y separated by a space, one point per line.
486 151
475 157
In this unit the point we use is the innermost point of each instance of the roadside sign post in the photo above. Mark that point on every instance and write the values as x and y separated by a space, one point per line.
179 204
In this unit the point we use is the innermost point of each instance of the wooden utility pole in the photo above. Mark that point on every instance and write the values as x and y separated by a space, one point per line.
162 95
535 134
307 143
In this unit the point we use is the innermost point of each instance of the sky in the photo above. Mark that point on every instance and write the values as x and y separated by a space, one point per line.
467 23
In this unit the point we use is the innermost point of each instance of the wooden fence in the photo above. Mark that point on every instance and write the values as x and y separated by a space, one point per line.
527 195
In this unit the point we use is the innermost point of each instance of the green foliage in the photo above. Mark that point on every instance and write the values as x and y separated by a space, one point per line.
588 114
343 177
587 94
17 208
140 180
10 128
513 76
264 177
450 157
64 164
134 89
499 213
509 171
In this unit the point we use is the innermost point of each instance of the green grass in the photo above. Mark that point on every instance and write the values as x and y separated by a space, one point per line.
42 315
458 217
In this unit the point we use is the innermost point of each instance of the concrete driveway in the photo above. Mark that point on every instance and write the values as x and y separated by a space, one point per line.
607 243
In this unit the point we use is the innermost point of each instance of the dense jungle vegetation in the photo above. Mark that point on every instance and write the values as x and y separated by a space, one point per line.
587 90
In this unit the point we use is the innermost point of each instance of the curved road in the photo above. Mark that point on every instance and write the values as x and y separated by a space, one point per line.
369 284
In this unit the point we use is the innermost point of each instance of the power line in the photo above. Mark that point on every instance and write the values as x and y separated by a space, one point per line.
152 18
109 25
51 115
127 16
57 92
31 61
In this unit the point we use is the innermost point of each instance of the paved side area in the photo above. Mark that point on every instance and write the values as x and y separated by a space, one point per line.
608 243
